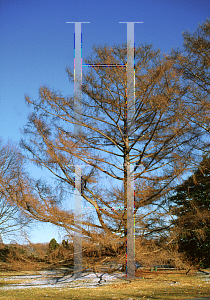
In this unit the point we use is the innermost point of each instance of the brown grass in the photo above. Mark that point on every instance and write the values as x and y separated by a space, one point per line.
161 285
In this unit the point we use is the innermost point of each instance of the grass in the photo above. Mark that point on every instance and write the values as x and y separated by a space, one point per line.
155 285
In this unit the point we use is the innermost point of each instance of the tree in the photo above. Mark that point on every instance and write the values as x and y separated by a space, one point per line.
160 147
65 244
53 245
191 206
12 221
194 64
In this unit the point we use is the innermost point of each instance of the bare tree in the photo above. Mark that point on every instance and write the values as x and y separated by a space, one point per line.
12 221
160 148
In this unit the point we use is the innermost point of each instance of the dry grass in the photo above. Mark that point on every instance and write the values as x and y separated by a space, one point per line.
162 285
155 285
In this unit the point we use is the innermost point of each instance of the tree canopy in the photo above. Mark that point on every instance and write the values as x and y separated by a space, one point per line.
193 62
160 148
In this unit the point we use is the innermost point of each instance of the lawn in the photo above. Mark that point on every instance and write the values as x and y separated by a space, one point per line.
149 285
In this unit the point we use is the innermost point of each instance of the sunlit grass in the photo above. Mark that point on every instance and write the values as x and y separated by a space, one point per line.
154 286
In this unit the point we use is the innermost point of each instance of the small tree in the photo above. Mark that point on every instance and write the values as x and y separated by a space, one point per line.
53 245
65 244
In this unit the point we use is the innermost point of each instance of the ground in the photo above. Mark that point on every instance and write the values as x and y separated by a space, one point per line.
163 284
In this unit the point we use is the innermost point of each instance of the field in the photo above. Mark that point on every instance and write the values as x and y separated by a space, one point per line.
163 284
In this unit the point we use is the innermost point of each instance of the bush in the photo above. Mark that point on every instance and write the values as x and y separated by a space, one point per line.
53 245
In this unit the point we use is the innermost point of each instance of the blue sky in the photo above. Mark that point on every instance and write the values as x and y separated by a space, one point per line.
36 45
